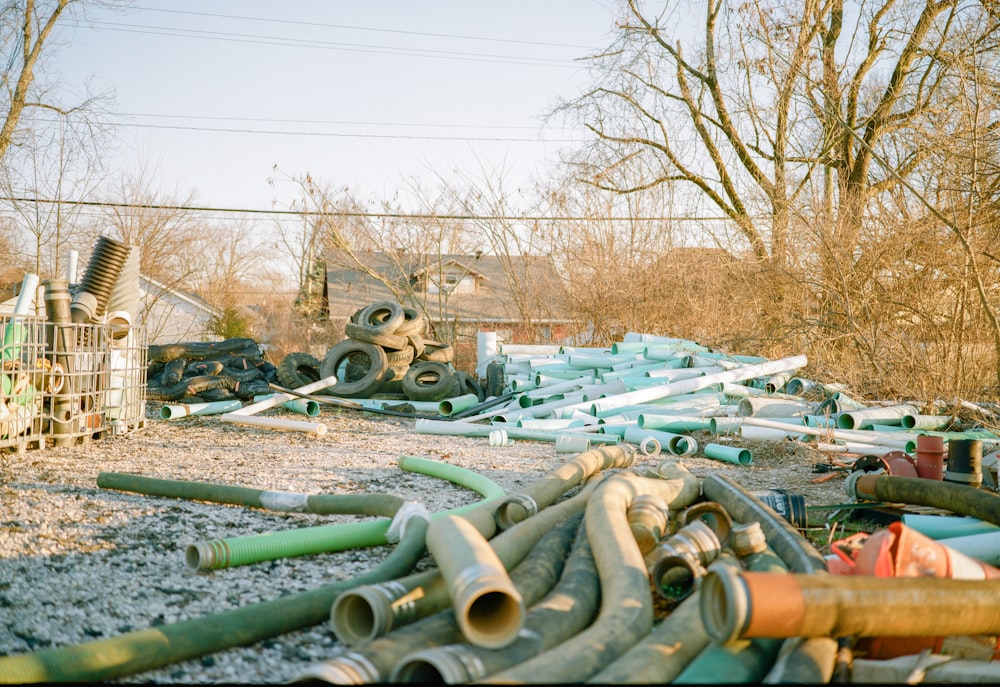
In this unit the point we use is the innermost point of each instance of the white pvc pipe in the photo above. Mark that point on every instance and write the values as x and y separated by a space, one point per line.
26 296
173 411
983 547
275 423
841 434
280 397
773 407
465 429
689 385
72 259
853 447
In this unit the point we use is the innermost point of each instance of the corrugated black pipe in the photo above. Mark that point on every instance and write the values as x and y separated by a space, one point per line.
533 577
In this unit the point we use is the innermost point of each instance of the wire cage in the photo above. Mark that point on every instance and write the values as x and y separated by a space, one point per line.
24 376
80 358
125 403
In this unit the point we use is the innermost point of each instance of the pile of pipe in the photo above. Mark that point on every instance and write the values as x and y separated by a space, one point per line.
664 394
208 372
387 354
603 570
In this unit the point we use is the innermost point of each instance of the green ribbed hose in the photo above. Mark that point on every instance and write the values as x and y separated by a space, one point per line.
236 551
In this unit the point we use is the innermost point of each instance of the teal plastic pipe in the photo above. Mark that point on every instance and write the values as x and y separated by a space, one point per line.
465 429
729 454
677 444
450 406
302 406
945 526
176 410
984 547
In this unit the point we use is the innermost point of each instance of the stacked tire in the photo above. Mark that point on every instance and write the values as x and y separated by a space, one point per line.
386 352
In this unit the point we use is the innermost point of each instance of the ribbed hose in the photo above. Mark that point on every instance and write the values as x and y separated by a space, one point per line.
143 650
565 611
741 661
103 269
626 613
797 553
545 490
794 549
795 605
661 655
957 498
236 551
364 614
488 608
533 577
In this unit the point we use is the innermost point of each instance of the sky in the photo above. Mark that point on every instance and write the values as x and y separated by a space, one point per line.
218 97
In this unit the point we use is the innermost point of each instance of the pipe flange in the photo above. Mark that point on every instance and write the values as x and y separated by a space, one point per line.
724 604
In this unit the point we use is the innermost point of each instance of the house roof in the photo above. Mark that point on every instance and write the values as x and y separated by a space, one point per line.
507 286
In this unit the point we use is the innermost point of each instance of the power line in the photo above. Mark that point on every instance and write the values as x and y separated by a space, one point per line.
231 118
338 213
365 28
327 45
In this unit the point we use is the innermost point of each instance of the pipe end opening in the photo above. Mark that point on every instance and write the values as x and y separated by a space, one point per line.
493 619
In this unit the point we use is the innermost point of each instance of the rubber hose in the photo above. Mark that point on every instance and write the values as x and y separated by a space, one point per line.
807 662
365 614
147 649
957 498
661 655
742 661
565 611
533 577
794 549
488 608
545 490
235 551
797 605
626 613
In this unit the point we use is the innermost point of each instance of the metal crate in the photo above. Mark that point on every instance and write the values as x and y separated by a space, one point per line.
80 355
24 375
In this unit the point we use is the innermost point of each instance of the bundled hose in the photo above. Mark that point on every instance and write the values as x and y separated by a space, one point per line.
365 613
545 490
957 498
626 613
565 611
533 577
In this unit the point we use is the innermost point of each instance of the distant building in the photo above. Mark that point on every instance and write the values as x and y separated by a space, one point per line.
520 297
170 315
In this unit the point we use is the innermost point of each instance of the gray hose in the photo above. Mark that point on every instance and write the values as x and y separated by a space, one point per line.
565 611
626 613
545 490
533 578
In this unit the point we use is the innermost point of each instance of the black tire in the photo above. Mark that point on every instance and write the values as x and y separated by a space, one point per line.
495 382
360 332
352 352
428 381
438 352
401 358
467 384
298 369
384 316
413 323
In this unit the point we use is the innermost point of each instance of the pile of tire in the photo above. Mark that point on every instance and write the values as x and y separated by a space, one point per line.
386 354
207 371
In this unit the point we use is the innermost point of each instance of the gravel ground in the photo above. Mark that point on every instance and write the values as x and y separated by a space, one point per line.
79 563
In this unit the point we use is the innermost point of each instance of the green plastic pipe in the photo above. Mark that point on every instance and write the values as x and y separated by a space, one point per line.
861 419
176 410
677 444
729 454
936 422
302 406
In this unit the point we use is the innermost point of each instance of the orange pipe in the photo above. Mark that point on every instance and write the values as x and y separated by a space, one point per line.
752 604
